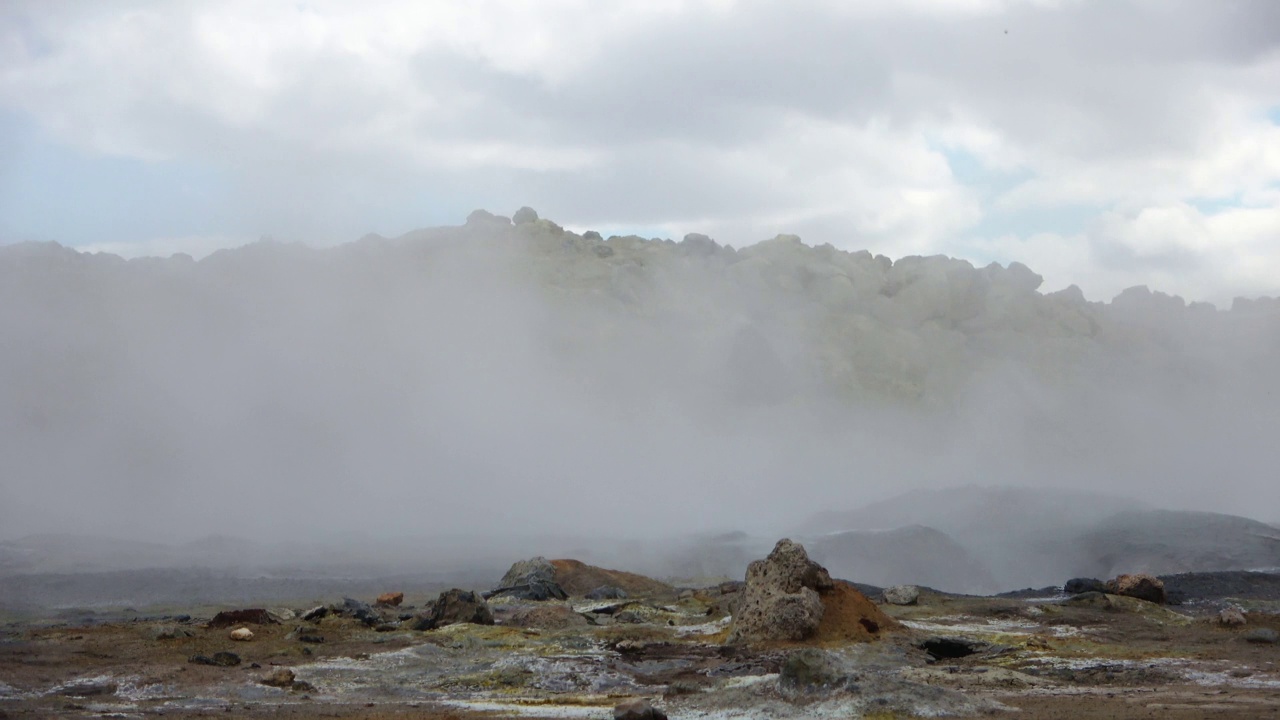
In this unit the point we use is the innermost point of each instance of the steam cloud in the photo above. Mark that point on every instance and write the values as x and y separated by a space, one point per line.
507 381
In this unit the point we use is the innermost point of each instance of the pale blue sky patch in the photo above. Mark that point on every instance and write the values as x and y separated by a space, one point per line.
49 191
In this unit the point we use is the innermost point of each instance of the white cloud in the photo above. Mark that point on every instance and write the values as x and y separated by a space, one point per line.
739 119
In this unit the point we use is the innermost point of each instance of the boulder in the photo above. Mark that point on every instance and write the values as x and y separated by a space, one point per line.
361 611
780 600
902 595
1076 586
453 607
315 614
391 599
532 579
255 616
1140 586
1231 616
525 215
637 710
242 634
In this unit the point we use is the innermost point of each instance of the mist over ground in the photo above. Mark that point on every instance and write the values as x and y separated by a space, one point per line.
459 391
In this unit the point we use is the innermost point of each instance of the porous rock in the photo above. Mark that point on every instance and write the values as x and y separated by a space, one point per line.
902 595
1231 616
1140 586
242 634
780 601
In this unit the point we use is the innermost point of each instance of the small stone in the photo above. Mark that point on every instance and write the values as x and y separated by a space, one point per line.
242 634
638 710
282 677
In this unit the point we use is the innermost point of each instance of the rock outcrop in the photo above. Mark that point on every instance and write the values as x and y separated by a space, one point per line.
455 606
1140 586
532 579
789 598
780 601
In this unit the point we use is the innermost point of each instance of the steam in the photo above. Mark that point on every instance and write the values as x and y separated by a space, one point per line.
505 382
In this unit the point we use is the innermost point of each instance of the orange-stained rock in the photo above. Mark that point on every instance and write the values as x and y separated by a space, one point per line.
392 599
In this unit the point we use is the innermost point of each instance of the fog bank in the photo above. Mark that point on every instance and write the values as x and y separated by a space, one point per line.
519 380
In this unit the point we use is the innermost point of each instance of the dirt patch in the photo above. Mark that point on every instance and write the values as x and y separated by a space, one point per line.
849 616
579 578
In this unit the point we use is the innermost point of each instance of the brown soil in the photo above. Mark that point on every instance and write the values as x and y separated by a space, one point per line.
579 578
849 616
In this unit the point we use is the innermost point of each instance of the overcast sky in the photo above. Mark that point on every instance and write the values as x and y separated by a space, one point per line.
1106 144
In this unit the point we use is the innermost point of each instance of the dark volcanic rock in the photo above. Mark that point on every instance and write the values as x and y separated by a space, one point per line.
532 579
256 616
361 611
455 606
1075 586
315 614
220 659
